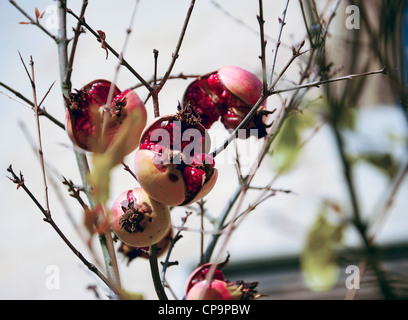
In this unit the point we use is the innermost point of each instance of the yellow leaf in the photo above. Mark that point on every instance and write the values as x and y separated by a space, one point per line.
319 263
103 163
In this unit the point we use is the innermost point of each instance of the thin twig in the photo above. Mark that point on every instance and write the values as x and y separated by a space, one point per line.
178 46
167 263
278 43
33 21
77 32
45 96
295 54
261 22
321 82
115 77
126 167
383 209
113 51
108 235
202 214
19 180
333 13
56 188
81 158
156 89
306 25
262 98
181 75
40 148
41 111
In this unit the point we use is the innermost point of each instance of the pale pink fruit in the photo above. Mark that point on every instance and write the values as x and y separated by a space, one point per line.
138 220
223 290
172 165
227 94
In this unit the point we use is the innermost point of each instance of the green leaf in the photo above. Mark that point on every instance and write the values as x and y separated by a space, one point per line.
99 179
348 118
286 149
320 269
382 161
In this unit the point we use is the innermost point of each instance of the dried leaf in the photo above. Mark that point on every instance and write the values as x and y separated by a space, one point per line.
102 37
37 14
90 219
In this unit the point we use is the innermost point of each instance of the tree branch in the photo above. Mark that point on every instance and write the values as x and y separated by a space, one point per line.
178 46
19 180
113 51
34 22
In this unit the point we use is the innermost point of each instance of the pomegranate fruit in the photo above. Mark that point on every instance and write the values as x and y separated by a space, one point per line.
172 163
138 220
198 288
227 94
85 115
223 290
200 274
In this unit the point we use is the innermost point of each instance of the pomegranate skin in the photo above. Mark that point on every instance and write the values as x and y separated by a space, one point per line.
216 290
241 83
200 273
228 95
138 220
163 183
84 116
167 168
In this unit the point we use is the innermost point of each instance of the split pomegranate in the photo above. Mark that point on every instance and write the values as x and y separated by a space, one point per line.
227 94
200 274
138 220
172 164
198 288
85 115
223 290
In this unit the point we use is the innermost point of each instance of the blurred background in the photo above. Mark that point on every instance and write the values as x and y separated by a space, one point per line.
269 242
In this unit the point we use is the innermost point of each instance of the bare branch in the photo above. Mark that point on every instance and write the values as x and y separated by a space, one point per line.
178 46
41 111
77 32
321 82
261 22
48 218
278 42
34 21
40 150
113 51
